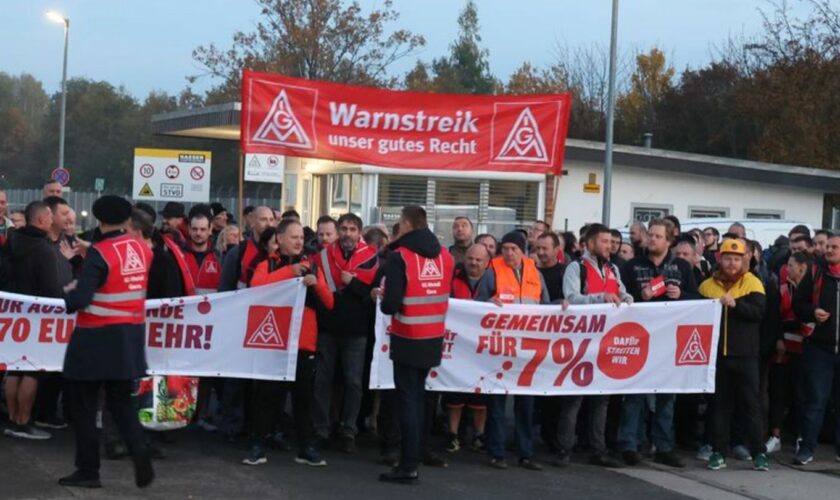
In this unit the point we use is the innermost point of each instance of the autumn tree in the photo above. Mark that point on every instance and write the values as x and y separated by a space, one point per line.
649 83
314 39
465 70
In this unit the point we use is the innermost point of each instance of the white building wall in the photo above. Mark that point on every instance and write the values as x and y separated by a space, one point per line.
677 192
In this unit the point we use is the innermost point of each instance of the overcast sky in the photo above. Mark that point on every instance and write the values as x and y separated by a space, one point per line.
147 44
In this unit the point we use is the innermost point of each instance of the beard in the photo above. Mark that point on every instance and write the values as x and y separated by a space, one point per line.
347 243
198 243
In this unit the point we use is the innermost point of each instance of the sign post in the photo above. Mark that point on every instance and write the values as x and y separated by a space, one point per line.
99 186
61 175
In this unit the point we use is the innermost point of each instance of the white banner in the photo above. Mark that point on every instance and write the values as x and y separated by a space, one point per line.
251 333
667 347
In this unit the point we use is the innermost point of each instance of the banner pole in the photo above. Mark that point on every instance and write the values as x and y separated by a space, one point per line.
239 206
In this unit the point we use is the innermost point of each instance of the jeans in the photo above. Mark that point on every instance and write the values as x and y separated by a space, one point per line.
822 370
410 383
597 426
523 412
351 352
633 412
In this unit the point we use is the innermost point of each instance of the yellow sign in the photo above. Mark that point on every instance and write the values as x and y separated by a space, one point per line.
146 190
591 188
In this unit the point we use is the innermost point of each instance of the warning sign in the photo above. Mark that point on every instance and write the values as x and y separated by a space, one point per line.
268 327
265 168
161 174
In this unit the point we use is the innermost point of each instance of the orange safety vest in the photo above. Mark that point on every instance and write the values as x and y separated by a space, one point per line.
206 276
511 290
121 299
427 287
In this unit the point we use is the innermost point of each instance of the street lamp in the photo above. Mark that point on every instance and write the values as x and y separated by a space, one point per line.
59 18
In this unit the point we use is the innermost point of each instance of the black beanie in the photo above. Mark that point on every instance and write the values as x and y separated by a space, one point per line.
515 237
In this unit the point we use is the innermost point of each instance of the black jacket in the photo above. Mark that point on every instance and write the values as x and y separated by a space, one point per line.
351 313
424 353
165 278
638 272
826 335
33 264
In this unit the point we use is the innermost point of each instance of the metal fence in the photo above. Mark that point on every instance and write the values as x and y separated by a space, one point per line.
82 201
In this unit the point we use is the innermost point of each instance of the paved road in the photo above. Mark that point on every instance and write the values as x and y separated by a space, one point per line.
201 466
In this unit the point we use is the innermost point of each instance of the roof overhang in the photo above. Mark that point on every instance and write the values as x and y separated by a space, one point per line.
221 121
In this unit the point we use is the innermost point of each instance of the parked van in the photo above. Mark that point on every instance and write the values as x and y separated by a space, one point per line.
764 231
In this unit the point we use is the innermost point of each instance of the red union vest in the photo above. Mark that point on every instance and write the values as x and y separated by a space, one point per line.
461 287
120 300
427 288
792 340
186 276
247 264
207 275
597 283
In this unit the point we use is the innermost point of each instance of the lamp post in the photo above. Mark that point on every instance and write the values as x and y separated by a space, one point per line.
608 150
59 18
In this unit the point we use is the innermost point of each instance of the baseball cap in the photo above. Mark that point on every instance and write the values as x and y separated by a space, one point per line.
733 246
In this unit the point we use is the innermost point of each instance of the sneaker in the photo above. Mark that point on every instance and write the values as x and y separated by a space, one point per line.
51 423
773 445
798 446
528 464
631 457
115 450
390 457
206 425
399 476
256 456
604 460
741 452
278 441
704 453
716 462
668 458
452 443
761 463
347 443
27 432
498 463
478 443
432 459
310 457
561 459
804 457
80 480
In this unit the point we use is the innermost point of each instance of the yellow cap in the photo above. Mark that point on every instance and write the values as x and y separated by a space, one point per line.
733 246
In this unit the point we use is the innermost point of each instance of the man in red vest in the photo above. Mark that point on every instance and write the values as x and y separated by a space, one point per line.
592 279
349 266
418 279
107 348
465 283
205 267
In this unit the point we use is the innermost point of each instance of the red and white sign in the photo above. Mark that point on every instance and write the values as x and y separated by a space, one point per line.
418 130
249 333
667 347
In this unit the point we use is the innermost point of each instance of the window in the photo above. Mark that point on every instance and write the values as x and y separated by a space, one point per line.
648 212
510 204
401 190
707 213
454 198
750 213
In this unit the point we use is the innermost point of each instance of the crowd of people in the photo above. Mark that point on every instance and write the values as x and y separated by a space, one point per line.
778 362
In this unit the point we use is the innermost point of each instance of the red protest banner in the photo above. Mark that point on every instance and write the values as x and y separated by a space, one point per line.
295 117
